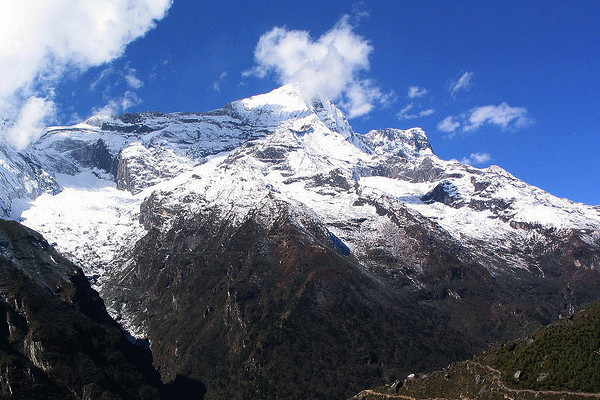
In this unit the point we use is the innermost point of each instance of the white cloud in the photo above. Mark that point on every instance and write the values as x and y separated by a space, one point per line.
129 99
44 39
217 84
329 66
463 83
448 125
502 115
405 113
110 109
33 117
415 91
476 158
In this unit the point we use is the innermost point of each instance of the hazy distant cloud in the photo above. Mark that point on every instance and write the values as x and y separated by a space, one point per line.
463 83
75 118
448 125
476 158
101 76
405 112
409 112
43 40
35 114
132 80
110 75
130 99
415 91
329 66
119 105
217 84
501 115
360 11
158 66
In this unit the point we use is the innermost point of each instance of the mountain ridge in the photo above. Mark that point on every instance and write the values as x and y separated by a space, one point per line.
214 234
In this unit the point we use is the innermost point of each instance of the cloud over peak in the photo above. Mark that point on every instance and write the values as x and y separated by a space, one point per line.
409 112
33 117
476 158
329 66
448 125
115 106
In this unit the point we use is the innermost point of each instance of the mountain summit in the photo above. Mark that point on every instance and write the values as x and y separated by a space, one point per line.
269 251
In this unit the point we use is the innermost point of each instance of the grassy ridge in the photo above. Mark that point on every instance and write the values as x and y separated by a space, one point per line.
559 361
562 356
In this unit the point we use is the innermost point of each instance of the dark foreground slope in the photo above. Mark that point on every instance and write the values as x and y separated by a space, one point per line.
56 339
560 361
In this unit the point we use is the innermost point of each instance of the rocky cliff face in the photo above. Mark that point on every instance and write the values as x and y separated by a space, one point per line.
249 240
56 338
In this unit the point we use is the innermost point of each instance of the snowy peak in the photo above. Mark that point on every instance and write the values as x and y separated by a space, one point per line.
289 103
271 109
317 125
333 117
403 143
287 98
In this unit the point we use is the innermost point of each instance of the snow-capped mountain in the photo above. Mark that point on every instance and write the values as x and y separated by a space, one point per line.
277 144
125 196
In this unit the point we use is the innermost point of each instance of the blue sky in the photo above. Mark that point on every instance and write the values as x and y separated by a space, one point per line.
528 100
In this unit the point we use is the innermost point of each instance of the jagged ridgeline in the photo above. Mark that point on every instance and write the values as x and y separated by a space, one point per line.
559 361
267 250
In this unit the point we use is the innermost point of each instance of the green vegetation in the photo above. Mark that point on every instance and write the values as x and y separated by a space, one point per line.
562 356
559 361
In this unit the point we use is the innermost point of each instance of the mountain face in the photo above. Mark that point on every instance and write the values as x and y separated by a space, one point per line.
269 251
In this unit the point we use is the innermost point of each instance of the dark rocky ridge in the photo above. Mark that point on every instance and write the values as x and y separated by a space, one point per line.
56 339
275 312
446 193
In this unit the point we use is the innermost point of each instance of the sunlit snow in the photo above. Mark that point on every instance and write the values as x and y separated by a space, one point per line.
274 146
